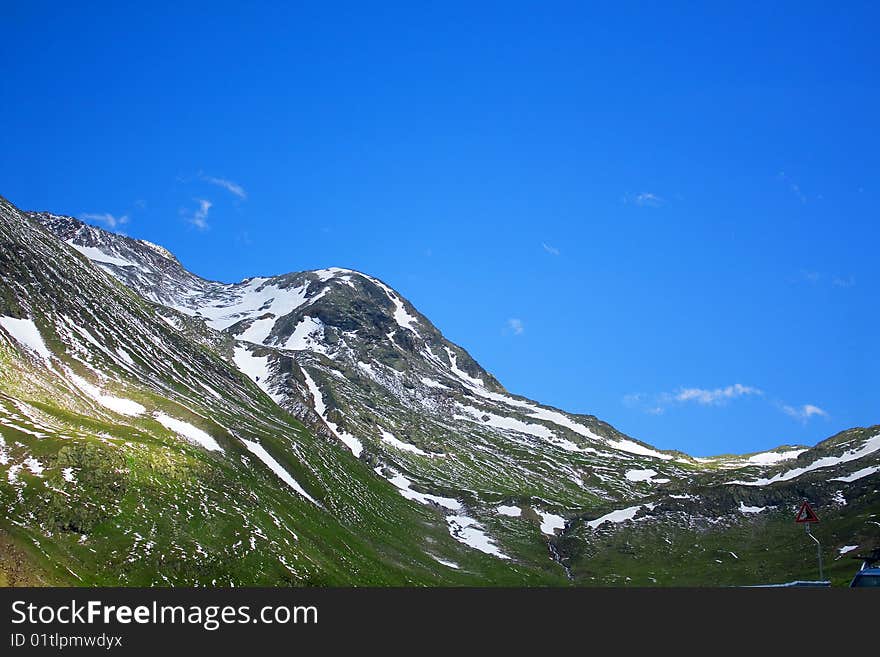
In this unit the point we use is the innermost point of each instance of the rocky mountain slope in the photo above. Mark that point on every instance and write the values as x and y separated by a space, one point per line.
314 427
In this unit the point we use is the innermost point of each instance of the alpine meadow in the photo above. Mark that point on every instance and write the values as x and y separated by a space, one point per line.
315 429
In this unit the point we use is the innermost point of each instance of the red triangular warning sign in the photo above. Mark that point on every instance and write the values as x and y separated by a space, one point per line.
806 514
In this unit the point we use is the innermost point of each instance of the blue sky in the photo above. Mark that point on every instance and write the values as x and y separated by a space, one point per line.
663 216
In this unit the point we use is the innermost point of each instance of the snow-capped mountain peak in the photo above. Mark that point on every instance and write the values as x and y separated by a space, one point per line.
403 439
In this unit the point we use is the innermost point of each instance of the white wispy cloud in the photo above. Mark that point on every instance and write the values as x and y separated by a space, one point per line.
199 218
644 199
106 218
816 277
649 199
803 413
716 395
516 325
228 185
552 250
657 403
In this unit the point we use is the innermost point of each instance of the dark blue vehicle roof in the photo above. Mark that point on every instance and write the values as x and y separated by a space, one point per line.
868 571
866 577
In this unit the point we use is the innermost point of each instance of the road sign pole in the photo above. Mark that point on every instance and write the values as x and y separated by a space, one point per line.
818 551
807 516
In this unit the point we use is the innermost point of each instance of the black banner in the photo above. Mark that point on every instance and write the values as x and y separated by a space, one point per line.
133 621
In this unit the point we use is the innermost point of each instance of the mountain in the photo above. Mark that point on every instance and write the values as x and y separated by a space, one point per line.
315 428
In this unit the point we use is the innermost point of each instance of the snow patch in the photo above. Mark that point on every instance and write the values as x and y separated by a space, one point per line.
253 296
12 473
561 420
550 523
26 334
307 336
509 511
622 515
506 423
858 474
403 318
119 405
95 254
124 355
635 448
256 368
350 441
161 250
449 564
460 373
770 458
466 530
404 486
388 437
868 447
260 452
640 475
538 413
258 331
188 431
34 466
326 274
171 321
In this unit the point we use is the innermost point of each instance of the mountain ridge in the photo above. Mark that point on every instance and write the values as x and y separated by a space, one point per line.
72 229
393 416
67 227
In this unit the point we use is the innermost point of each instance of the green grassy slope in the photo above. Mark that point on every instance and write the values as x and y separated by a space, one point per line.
96 489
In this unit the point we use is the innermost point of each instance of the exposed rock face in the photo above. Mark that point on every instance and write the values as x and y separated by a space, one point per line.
409 447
